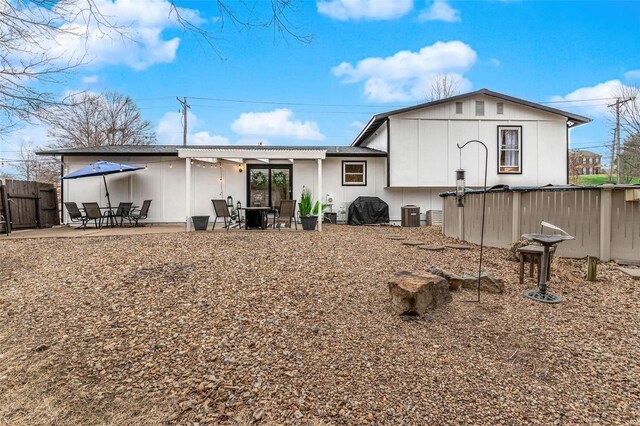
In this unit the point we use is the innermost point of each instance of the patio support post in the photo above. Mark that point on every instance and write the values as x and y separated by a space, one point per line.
605 222
187 163
320 213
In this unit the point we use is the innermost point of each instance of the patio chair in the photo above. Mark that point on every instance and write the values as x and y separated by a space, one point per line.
4 223
123 210
140 215
75 215
222 210
285 214
92 212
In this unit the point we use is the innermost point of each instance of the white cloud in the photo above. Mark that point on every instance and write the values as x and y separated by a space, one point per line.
169 131
407 75
276 123
440 11
594 99
142 43
90 79
495 62
344 10
357 124
632 75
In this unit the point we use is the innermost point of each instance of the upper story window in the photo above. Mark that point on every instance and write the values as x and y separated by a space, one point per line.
509 149
500 108
354 173
479 107
458 107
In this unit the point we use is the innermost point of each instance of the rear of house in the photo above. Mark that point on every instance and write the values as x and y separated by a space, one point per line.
405 156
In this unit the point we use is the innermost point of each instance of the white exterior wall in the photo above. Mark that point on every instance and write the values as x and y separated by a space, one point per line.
166 186
423 151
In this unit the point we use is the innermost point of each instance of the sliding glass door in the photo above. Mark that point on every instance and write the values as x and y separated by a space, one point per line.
267 185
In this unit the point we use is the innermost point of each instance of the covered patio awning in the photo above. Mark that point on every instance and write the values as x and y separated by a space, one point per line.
241 154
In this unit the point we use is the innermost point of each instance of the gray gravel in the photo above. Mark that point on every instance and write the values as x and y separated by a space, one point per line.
278 327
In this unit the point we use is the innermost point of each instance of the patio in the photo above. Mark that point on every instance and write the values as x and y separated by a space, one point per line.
281 327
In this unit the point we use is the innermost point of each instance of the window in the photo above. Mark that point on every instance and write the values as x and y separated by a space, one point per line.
479 107
584 160
509 149
499 108
354 173
458 107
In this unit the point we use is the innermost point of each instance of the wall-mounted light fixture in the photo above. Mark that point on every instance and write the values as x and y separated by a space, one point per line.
240 168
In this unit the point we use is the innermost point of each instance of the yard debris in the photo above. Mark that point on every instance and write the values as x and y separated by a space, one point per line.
455 281
252 327
418 292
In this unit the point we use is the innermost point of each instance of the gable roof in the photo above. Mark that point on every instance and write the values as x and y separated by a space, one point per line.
377 120
584 153
172 150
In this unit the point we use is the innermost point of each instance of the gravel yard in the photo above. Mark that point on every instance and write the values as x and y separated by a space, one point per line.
277 327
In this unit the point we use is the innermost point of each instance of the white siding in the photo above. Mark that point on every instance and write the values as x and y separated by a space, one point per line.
423 146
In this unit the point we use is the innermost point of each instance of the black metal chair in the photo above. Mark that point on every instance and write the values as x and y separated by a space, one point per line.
123 210
140 215
75 215
92 212
222 210
285 214
6 225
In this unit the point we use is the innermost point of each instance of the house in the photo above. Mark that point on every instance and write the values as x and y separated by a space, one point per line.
406 156
585 162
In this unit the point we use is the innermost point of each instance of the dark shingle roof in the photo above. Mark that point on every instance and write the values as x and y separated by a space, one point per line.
585 153
377 120
172 150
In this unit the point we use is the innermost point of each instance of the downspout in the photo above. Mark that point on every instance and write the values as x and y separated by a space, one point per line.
388 153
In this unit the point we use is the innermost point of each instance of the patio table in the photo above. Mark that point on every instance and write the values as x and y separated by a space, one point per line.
255 217
110 214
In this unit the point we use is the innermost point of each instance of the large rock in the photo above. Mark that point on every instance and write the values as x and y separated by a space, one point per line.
418 293
488 282
455 281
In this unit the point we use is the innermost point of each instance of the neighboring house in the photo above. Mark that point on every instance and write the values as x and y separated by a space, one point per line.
585 162
405 156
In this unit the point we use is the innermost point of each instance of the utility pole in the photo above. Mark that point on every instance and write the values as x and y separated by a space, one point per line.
618 104
613 153
185 107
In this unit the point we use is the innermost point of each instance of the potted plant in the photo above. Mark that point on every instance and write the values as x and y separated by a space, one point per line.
308 210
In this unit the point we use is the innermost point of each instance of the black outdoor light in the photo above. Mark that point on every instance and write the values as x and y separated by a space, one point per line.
460 187
230 201
460 183
238 206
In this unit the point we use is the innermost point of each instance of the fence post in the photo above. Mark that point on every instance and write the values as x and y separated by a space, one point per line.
38 206
605 222
4 200
515 216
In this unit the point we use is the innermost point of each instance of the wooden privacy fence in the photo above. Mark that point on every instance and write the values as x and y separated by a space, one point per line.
604 220
27 204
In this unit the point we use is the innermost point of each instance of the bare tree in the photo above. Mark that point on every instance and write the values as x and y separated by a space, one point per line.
29 72
443 86
29 166
630 114
630 159
95 120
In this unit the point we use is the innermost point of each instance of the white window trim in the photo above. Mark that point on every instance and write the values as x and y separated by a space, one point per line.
363 174
502 171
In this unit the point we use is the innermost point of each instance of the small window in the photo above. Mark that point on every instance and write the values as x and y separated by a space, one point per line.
509 149
354 173
458 107
479 107
500 108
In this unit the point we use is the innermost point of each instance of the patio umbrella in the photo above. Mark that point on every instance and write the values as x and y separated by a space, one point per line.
101 168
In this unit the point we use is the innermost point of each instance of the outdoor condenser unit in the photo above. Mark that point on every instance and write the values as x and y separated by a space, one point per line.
410 215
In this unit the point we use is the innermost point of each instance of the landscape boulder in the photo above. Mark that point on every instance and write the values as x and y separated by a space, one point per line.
418 292
488 282
455 281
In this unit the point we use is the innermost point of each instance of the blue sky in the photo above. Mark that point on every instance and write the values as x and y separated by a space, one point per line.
366 56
